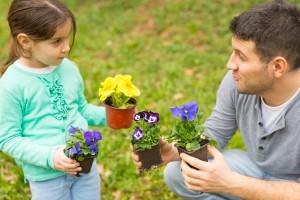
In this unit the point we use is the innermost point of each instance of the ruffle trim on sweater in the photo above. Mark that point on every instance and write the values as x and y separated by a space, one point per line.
55 92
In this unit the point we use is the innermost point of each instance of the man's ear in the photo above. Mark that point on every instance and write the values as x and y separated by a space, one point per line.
24 41
280 66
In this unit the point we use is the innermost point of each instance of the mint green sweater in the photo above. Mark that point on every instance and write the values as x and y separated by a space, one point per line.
36 111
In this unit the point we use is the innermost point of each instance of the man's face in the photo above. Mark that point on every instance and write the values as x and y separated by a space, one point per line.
252 76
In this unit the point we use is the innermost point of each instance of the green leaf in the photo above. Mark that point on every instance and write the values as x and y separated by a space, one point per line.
213 143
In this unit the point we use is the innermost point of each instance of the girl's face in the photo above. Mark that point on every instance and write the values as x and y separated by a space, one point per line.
52 51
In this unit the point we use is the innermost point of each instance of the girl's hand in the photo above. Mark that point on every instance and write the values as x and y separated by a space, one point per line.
168 153
64 163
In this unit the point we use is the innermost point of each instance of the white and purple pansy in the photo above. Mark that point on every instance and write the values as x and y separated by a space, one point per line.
145 116
138 116
138 134
153 118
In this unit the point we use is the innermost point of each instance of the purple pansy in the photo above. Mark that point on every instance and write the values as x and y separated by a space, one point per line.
138 116
138 134
187 112
94 149
145 116
72 129
92 137
76 150
153 118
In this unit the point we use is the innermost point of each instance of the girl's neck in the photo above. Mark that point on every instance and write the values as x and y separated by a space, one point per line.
31 63
44 70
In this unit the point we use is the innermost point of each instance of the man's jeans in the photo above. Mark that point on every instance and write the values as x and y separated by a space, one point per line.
239 162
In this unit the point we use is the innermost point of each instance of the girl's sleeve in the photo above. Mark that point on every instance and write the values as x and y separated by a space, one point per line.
95 115
11 140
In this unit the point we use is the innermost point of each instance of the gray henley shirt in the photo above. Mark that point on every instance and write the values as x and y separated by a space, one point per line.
276 152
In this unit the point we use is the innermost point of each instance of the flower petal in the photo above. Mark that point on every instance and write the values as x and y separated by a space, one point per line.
190 110
72 129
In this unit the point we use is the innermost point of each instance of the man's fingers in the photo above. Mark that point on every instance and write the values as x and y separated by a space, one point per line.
199 164
135 156
214 152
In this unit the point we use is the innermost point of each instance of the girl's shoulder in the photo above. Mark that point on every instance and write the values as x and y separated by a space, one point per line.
10 75
67 63
68 66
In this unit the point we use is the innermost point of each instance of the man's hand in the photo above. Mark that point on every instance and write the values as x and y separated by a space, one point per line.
168 153
211 177
63 163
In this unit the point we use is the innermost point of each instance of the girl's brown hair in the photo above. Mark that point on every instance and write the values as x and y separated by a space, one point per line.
38 19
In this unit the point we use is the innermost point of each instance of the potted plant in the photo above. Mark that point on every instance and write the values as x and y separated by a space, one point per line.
187 134
83 147
145 139
117 94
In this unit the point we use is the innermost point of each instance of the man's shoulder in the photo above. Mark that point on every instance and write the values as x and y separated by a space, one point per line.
228 85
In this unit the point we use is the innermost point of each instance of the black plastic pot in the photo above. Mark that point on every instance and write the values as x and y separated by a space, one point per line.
86 164
201 154
150 158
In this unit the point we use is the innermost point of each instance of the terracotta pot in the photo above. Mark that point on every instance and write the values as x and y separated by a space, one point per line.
86 164
118 118
201 154
150 158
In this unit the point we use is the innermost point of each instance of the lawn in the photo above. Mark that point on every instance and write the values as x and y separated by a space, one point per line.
175 50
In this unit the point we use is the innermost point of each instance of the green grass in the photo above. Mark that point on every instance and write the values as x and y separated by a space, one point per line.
175 50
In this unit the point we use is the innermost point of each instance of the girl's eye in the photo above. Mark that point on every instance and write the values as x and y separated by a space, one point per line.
56 41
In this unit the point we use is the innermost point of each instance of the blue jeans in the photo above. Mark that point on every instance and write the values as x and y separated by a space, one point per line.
239 162
68 187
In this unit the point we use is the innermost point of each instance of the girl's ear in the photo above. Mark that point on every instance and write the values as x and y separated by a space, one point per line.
280 66
24 41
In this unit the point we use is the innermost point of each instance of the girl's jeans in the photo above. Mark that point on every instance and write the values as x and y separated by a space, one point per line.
68 187
239 162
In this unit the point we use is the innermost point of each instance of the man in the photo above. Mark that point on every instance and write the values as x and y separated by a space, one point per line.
260 96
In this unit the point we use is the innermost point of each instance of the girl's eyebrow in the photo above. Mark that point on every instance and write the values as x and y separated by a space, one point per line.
57 38
60 37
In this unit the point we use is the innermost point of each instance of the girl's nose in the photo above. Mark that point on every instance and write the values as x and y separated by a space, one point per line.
66 46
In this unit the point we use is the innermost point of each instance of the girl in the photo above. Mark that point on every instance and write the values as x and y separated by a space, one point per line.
41 97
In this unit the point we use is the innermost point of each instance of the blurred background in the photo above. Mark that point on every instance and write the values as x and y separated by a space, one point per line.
175 50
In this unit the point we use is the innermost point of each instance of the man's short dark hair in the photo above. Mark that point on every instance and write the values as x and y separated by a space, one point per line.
274 27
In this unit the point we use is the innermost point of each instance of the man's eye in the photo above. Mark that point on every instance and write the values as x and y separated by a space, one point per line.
241 56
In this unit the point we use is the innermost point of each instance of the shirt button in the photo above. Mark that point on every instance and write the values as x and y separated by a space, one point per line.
263 138
260 124
261 148
63 130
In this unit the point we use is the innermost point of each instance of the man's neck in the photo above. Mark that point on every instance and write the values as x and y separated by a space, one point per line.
284 88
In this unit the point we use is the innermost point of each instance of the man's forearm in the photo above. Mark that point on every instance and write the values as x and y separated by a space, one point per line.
258 189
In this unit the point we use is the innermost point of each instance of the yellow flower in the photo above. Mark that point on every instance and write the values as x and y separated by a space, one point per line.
126 87
108 87
119 89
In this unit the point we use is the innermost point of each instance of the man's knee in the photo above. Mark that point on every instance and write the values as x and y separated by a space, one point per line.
172 175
